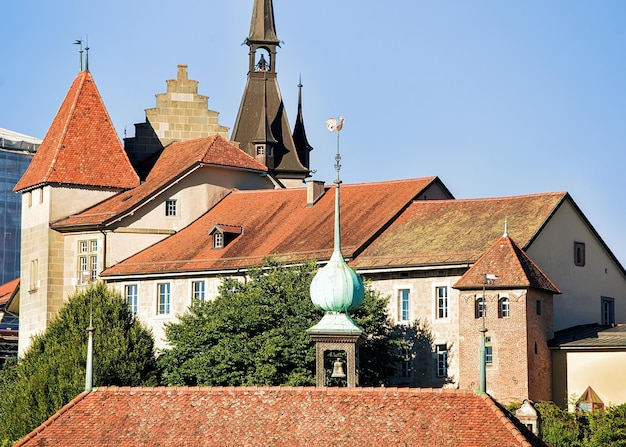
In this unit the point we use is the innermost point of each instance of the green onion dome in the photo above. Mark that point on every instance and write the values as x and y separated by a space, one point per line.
336 287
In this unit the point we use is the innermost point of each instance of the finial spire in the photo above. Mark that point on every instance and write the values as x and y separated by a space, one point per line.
80 54
335 125
506 227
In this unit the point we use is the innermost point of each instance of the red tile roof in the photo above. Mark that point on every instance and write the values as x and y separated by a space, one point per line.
176 160
441 232
278 223
8 290
81 146
281 416
511 265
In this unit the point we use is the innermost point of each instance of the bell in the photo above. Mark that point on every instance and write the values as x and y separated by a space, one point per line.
338 372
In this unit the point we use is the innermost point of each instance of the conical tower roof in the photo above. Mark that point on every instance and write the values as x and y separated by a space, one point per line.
511 265
81 146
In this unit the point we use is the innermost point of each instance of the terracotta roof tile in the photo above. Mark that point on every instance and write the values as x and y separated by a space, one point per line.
281 416
440 232
81 146
278 223
176 160
7 290
511 265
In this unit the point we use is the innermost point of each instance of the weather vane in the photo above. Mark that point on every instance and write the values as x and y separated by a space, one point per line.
335 125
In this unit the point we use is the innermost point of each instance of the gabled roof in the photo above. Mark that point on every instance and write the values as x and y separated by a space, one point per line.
281 416
81 146
446 232
177 160
511 265
8 290
278 223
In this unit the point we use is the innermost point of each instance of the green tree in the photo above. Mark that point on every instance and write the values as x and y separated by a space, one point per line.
52 370
608 429
255 333
559 427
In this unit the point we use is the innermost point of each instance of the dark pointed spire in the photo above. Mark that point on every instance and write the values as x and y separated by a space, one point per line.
262 28
303 148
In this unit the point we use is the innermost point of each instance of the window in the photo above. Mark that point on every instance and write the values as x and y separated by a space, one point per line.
538 306
480 308
405 367
41 195
87 261
170 207
442 301
269 151
163 299
489 355
442 360
218 240
504 310
29 198
260 149
197 291
403 304
579 254
130 293
608 310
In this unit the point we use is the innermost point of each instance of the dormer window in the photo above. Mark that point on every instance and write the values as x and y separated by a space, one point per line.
224 234
218 240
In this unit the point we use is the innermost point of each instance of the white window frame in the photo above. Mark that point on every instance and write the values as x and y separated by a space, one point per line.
480 309
607 310
404 311
218 239
196 294
442 312
132 298
164 298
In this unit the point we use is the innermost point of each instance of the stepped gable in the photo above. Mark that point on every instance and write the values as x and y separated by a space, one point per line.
511 265
176 160
444 232
81 147
282 416
278 223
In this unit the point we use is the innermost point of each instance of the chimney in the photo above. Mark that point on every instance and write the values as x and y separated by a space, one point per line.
314 190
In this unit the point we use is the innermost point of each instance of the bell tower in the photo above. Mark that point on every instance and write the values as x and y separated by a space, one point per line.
261 123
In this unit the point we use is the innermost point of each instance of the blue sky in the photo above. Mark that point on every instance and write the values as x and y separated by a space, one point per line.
495 97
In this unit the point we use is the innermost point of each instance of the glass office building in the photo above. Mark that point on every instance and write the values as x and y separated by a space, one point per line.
16 152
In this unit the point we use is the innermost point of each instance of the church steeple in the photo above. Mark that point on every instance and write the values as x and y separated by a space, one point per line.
262 97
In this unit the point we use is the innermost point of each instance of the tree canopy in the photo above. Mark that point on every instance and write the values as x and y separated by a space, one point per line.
255 333
52 370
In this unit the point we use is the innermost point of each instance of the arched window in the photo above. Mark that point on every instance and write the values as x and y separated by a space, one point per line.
480 308
504 308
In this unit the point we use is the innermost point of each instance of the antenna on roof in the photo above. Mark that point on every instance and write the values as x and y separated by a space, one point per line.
80 53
